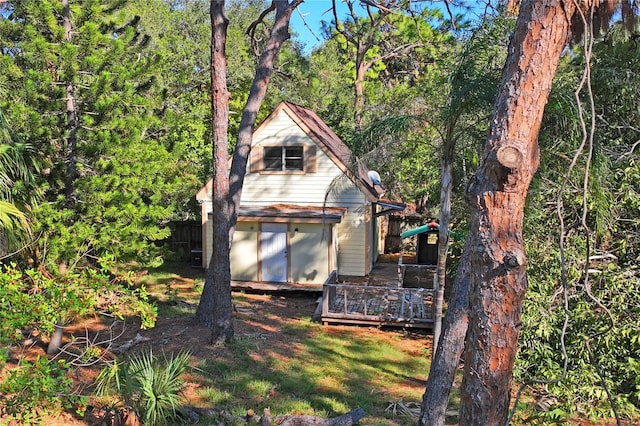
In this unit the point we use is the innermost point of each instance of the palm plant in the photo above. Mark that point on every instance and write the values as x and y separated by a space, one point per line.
16 172
151 386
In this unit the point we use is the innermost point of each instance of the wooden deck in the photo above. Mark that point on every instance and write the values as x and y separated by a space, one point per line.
376 300
376 305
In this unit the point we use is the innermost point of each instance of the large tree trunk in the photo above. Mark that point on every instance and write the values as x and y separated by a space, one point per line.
497 193
494 256
215 308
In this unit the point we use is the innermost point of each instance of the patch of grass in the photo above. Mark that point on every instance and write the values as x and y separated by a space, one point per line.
306 368
172 282
215 397
174 310
301 327
321 373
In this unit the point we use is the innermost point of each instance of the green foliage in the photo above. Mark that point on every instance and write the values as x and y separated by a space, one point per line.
38 388
17 189
32 299
615 345
603 311
148 384
111 180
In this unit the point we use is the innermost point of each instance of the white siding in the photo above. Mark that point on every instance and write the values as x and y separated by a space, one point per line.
297 188
327 186
352 243
328 182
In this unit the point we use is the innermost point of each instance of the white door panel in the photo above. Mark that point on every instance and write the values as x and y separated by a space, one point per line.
273 242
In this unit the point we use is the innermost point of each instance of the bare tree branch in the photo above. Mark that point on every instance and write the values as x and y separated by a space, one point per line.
251 30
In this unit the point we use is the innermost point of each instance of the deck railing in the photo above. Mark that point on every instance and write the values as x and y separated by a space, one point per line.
361 304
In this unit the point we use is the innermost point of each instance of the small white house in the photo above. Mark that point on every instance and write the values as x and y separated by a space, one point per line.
306 211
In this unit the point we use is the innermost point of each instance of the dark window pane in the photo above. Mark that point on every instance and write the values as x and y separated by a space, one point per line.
293 151
294 164
272 158
294 158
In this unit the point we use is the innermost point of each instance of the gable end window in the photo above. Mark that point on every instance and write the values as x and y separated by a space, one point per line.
283 159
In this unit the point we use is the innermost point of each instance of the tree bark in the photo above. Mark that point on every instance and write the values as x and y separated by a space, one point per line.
446 174
497 194
491 281
449 349
215 308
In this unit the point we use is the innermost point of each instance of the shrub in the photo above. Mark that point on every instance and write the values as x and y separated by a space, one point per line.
35 299
149 385
37 388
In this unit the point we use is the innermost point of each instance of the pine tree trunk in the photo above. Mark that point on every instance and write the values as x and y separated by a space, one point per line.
215 308
70 159
497 194
446 175
492 267
264 69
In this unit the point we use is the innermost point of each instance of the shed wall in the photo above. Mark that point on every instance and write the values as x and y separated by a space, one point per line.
328 186
310 245
244 252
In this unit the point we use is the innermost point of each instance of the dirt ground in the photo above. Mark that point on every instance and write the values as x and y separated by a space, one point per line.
256 316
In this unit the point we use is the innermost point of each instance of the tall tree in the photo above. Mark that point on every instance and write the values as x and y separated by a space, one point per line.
215 303
215 308
463 119
491 281
374 41
83 94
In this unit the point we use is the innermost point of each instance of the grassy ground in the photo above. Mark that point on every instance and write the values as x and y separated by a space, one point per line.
280 359
283 360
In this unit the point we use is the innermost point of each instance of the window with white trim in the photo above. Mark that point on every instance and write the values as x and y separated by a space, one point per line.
283 158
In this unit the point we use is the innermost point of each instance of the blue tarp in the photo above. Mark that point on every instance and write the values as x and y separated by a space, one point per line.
419 230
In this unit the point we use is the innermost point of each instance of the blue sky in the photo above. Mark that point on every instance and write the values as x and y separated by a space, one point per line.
314 12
